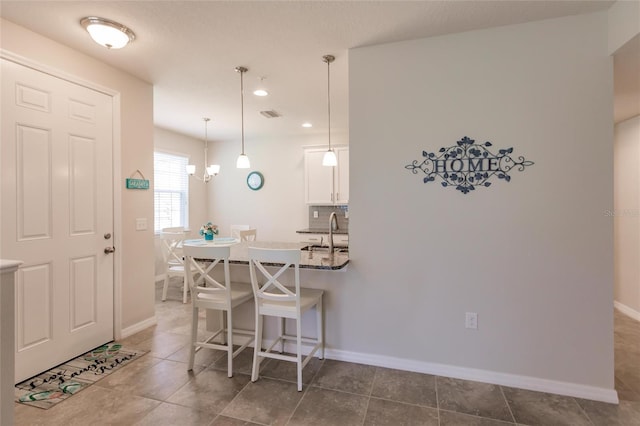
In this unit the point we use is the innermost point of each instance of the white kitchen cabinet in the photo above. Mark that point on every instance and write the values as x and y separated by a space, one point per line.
315 239
323 239
326 185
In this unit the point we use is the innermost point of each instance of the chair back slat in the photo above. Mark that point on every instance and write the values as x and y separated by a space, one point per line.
237 228
273 289
171 239
216 255
248 234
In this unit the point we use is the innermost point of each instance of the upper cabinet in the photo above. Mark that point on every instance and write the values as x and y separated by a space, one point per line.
326 185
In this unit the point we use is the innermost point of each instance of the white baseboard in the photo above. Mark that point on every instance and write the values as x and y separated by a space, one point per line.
630 312
135 328
485 376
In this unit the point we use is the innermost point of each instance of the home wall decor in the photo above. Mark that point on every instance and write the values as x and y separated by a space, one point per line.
467 165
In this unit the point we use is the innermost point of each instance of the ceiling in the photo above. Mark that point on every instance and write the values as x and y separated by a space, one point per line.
189 50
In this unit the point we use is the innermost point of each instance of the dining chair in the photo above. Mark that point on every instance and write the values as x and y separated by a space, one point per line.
223 296
248 235
171 241
272 298
235 229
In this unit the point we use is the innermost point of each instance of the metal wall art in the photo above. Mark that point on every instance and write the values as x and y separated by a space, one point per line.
467 165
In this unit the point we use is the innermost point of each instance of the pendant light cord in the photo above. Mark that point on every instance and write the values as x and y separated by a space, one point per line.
329 100
328 59
242 108
206 143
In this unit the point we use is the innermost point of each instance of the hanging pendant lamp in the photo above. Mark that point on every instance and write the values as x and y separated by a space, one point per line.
329 158
210 170
243 160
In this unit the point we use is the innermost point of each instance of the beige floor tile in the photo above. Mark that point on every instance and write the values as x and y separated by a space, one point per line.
405 386
328 407
346 377
286 370
162 345
382 412
157 381
542 409
450 418
209 391
475 398
267 401
172 415
627 413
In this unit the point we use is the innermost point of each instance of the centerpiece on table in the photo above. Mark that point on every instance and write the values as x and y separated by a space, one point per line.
208 231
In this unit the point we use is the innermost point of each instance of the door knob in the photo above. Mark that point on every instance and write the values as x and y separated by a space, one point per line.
108 250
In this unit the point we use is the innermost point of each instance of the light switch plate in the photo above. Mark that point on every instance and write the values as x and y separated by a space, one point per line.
141 224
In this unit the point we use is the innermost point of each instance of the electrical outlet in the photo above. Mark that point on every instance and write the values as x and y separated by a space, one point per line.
471 320
315 214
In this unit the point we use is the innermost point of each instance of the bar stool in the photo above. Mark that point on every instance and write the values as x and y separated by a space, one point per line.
221 296
171 240
274 299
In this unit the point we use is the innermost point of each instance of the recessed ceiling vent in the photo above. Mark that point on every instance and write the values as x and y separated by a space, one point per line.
270 114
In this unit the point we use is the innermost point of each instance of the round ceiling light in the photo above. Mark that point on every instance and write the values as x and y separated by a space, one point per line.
107 33
260 92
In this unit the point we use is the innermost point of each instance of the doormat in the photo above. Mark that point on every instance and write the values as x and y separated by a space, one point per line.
49 388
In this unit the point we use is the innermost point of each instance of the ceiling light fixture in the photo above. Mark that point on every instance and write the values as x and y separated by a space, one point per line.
107 33
329 158
243 160
260 91
209 171
307 125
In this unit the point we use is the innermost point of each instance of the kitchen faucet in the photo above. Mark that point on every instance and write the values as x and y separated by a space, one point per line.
333 220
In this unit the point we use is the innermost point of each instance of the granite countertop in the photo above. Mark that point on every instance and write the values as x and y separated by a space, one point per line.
322 231
308 260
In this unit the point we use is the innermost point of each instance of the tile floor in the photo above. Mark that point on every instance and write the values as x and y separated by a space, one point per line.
157 390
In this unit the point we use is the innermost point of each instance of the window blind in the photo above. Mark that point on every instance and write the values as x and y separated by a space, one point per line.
171 190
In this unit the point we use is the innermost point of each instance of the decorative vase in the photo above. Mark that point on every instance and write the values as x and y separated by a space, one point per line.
208 237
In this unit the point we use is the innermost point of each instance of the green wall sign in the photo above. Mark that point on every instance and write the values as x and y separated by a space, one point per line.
137 183
133 183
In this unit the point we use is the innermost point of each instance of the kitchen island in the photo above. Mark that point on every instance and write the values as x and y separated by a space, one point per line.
318 269
309 259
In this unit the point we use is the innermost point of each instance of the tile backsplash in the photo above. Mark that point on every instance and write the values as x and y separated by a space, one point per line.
323 216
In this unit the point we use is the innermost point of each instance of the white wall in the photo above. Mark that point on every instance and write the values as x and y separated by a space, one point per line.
533 257
626 215
624 23
134 249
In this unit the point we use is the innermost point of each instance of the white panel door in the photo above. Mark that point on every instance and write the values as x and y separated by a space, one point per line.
57 209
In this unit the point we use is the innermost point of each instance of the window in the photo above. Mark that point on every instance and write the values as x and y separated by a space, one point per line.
171 190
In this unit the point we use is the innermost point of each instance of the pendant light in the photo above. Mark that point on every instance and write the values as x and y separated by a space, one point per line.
243 160
329 158
209 171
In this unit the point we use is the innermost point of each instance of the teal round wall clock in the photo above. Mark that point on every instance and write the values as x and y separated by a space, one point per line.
255 180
